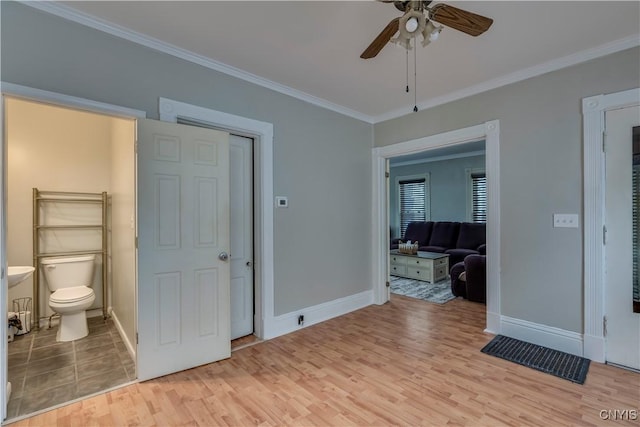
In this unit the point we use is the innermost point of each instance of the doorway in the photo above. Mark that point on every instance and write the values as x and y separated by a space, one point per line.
622 205
594 109
490 132
440 185
242 220
64 152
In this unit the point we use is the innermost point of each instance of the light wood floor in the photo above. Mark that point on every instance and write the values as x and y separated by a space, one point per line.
405 363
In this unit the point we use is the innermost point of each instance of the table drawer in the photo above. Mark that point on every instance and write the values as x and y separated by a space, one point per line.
423 274
441 273
442 261
398 270
419 262
398 260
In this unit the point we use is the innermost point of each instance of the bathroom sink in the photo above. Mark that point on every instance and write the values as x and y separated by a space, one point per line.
17 274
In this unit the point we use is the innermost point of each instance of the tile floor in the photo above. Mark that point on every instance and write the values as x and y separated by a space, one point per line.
44 373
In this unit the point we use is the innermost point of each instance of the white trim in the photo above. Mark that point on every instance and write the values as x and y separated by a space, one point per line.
287 323
593 112
527 73
438 158
490 132
87 20
44 96
4 286
130 347
263 131
546 336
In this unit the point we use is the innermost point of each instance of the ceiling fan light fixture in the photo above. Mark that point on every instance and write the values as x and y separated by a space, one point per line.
411 25
431 32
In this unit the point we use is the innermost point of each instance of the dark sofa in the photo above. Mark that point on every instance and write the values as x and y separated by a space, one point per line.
457 239
473 285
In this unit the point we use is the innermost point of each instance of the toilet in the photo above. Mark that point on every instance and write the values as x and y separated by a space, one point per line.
69 279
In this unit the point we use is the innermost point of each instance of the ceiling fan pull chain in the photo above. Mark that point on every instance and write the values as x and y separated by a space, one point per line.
415 81
407 69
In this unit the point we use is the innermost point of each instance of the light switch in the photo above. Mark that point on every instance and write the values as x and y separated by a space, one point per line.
565 220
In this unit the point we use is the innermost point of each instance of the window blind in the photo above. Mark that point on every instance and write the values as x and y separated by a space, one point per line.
412 202
479 197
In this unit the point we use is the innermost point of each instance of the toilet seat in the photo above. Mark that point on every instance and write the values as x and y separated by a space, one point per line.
70 295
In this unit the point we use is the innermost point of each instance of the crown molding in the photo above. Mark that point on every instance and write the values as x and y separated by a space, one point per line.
87 20
82 18
536 70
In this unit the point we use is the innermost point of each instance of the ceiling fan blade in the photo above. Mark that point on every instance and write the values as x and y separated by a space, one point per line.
383 38
459 19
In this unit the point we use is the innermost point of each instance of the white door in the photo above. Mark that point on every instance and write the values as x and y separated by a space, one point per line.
183 235
622 325
241 254
4 287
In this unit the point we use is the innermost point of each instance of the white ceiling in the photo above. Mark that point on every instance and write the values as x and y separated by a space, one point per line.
313 47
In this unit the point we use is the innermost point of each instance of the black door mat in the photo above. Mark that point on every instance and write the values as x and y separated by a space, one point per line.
554 362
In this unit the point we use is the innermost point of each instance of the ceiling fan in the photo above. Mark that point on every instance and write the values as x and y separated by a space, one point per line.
419 18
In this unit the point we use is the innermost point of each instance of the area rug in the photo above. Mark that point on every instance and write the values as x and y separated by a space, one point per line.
439 292
554 362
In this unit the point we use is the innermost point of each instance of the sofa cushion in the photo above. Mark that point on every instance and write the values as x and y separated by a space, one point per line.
419 231
471 235
438 249
475 267
444 235
458 255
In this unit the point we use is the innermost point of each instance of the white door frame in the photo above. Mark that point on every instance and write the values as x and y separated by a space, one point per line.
262 132
593 112
490 132
43 96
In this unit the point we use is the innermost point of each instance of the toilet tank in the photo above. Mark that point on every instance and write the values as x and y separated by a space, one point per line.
68 271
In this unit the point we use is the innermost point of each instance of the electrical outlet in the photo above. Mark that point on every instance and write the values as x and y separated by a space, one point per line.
282 202
301 320
565 220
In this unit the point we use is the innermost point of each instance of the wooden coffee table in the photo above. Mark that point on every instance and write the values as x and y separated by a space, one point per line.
426 266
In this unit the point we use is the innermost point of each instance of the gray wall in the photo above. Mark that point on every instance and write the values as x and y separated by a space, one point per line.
540 174
448 186
321 158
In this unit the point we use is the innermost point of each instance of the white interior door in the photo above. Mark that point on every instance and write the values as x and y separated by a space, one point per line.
241 255
183 228
623 326
4 286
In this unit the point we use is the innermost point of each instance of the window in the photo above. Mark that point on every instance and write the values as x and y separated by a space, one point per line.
477 200
413 194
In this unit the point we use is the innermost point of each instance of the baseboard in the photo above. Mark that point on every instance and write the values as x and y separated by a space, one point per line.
493 323
594 348
130 348
547 336
286 323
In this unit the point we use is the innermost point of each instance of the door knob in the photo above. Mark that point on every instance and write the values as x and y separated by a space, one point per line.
223 256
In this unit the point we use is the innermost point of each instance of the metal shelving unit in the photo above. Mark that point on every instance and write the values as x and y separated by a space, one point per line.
41 197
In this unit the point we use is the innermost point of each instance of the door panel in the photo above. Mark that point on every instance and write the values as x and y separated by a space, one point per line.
183 224
242 292
623 326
